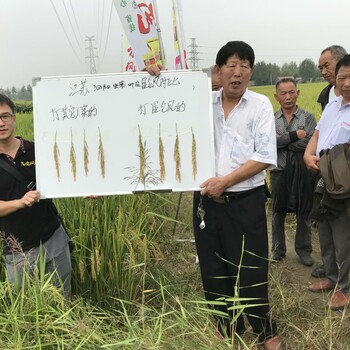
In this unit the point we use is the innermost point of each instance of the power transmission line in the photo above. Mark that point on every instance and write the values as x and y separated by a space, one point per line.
108 30
98 21
75 19
65 33
71 25
103 14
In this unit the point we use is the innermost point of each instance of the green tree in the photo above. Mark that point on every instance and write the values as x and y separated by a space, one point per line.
265 74
8 93
308 70
260 74
13 93
22 94
274 72
29 92
290 69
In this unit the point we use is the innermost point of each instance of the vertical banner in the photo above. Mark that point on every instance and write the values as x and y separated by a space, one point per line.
130 65
180 59
138 21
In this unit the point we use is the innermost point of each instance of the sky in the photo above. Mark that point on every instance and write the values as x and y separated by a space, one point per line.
37 38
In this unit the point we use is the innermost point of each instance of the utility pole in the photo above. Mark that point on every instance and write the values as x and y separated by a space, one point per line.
91 56
193 54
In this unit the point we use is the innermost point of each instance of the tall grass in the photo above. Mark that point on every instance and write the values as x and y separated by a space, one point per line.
37 317
136 287
24 126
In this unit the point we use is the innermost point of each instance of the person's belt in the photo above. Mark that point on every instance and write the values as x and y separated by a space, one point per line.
226 197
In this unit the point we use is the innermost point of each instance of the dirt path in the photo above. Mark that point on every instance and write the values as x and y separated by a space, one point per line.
302 273
297 276
303 318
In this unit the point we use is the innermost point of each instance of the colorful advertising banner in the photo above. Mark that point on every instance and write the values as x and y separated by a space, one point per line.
130 65
178 36
138 20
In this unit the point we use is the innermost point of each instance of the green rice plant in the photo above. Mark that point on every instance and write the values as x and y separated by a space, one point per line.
114 239
24 126
22 106
164 321
37 317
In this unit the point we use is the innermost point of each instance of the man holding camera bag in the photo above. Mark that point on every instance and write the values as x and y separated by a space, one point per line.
32 227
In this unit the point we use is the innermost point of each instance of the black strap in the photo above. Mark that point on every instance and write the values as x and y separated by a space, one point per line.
30 185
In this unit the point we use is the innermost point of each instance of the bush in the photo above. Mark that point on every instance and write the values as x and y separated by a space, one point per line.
23 106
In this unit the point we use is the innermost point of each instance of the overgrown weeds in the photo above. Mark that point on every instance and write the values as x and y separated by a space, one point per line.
133 281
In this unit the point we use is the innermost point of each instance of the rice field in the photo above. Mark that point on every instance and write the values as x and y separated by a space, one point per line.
307 99
136 284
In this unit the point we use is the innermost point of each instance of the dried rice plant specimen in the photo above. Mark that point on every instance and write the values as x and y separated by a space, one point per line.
142 158
101 153
86 156
72 157
194 155
177 157
161 158
56 157
144 173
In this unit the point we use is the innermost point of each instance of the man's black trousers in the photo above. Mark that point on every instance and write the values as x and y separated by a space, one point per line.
233 252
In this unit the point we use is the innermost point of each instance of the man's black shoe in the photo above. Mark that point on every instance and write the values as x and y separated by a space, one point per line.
318 272
306 260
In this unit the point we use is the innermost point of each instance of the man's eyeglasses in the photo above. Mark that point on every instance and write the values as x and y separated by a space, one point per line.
6 117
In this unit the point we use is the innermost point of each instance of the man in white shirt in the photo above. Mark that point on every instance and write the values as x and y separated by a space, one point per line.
334 129
326 64
233 246
229 215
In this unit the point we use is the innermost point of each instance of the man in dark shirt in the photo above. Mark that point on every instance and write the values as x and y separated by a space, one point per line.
31 227
292 186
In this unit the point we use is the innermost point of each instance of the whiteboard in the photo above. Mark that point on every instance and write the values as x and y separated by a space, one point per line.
123 133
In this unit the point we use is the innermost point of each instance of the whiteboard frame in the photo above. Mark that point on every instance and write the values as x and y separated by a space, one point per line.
48 90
